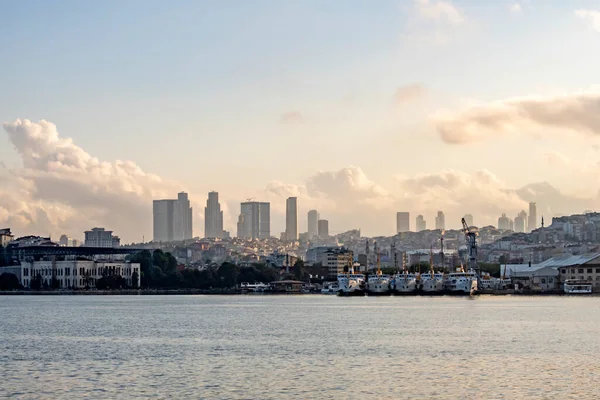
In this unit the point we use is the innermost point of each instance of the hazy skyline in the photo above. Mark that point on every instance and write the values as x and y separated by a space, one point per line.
359 109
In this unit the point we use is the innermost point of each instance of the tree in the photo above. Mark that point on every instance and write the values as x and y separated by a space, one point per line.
299 270
36 282
111 282
9 281
134 279
171 264
54 283
228 274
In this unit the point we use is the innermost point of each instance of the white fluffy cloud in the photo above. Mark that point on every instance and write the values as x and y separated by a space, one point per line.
591 16
578 112
439 11
515 8
63 189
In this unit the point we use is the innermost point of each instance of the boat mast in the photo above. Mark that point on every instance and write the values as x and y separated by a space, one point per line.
442 251
471 238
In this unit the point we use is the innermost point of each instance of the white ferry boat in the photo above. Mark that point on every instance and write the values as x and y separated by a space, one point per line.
351 284
572 286
405 283
378 284
257 287
460 283
432 283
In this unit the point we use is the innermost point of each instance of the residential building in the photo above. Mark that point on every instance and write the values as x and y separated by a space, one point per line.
421 224
323 228
402 222
334 259
100 237
440 220
213 217
532 220
6 237
291 219
469 219
313 220
172 219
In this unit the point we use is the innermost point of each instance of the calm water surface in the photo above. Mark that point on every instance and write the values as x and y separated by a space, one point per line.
277 347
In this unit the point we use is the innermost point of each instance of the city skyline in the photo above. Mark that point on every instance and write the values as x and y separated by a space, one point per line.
143 128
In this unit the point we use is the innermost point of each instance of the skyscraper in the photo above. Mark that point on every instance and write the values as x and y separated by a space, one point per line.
264 225
468 219
532 220
440 220
291 218
421 223
213 217
254 221
520 221
313 218
323 226
172 219
402 222
503 222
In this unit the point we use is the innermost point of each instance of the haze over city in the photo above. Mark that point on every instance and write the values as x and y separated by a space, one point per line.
466 107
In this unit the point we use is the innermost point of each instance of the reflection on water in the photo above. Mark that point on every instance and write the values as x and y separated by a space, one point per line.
274 347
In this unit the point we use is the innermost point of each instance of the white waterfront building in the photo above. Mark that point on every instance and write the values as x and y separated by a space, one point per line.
75 274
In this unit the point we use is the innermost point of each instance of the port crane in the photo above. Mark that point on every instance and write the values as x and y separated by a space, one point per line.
471 237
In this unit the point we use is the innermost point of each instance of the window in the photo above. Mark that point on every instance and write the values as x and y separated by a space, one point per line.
580 270
589 271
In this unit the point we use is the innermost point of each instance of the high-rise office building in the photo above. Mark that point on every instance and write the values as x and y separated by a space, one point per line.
468 219
532 220
213 217
440 220
291 218
402 222
421 224
254 221
172 219
313 219
521 222
323 227
264 225
503 222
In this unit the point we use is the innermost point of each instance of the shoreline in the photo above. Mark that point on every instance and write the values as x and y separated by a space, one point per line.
166 292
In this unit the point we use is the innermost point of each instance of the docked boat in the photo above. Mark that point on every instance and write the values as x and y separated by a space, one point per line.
257 287
431 283
460 283
405 283
330 288
574 286
351 284
378 284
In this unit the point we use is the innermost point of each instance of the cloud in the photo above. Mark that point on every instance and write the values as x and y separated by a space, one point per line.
591 16
349 199
575 112
63 189
556 159
291 117
405 94
439 11
515 8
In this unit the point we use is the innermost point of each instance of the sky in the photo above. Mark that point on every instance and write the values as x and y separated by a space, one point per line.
359 108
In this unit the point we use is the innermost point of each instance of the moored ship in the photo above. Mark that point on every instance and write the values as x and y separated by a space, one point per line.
378 284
